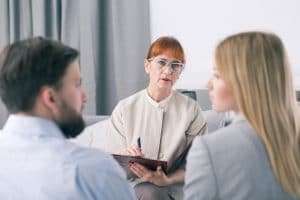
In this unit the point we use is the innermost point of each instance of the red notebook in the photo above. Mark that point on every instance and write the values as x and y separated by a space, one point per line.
149 163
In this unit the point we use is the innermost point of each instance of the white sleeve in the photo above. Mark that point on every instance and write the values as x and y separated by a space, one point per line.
198 125
116 139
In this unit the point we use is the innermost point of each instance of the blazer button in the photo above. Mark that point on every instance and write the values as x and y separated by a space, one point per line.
161 155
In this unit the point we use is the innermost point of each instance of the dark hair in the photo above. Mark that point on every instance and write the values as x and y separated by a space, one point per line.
28 65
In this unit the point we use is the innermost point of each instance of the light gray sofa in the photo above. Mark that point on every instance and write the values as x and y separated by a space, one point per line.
94 135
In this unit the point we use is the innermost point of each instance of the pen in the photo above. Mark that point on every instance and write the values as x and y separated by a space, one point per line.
139 142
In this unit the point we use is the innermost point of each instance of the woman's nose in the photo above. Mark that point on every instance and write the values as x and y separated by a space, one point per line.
208 84
168 69
84 96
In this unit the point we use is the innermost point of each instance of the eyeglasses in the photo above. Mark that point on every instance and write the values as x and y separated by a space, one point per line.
160 63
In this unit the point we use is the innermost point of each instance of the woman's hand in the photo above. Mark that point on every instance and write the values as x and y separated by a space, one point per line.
157 177
133 150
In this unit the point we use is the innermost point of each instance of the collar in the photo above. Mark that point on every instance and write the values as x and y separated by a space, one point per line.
237 117
31 126
162 104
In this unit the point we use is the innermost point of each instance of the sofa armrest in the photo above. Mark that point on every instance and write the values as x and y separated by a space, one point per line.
94 134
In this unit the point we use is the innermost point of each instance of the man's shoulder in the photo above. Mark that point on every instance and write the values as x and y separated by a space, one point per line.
91 160
87 155
82 157
99 172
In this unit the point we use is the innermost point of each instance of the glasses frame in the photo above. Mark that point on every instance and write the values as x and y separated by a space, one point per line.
169 64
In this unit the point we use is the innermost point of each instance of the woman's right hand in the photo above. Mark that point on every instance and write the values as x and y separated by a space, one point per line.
133 150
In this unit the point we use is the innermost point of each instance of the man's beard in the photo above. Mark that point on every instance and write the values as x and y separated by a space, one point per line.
70 122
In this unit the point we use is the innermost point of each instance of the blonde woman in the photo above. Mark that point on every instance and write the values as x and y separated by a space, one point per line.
258 155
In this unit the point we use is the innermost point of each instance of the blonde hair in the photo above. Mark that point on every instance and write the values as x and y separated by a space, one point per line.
255 66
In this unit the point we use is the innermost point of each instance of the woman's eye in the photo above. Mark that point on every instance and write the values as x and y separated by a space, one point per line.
174 65
78 84
216 76
161 62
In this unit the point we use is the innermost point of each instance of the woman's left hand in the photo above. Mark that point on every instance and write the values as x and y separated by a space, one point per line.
157 177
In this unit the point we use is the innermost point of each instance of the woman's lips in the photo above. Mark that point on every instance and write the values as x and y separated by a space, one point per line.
166 79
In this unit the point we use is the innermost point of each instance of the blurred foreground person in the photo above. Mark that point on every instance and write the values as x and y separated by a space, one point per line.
40 84
258 155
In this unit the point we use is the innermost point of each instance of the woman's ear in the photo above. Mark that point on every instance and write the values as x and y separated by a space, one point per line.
147 66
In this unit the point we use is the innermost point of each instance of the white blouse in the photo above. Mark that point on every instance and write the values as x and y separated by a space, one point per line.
166 128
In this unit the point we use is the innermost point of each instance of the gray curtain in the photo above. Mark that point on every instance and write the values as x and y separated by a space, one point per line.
112 36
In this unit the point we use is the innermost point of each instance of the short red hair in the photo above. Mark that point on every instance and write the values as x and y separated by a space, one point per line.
166 43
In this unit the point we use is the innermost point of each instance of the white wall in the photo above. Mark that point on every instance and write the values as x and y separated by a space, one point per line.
199 25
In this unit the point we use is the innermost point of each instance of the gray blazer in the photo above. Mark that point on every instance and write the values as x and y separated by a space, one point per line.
215 120
231 163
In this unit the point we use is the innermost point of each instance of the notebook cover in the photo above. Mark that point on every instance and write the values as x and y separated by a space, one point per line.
124 160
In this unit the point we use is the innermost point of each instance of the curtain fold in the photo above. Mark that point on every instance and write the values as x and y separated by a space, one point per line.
111 35
127 37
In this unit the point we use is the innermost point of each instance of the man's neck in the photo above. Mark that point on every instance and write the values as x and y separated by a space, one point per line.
33 113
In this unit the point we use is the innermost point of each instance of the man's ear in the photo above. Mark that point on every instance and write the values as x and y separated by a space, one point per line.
48 98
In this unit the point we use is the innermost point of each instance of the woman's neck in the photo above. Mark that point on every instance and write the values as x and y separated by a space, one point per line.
158 94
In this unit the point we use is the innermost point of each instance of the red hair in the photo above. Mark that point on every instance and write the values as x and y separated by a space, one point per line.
166 43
